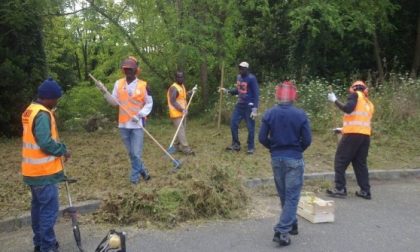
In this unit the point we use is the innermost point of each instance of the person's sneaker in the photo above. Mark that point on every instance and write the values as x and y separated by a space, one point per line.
276 237
284 239
188 151
363 194
146 175
250 151
233 147
336 193
294 230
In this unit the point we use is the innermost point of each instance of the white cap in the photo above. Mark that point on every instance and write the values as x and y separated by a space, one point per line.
244 64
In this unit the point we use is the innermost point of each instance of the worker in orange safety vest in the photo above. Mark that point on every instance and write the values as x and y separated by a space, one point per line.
135 103
354 144
177 103
42 167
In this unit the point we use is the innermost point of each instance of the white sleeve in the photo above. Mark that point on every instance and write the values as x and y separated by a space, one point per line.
112 99
145 111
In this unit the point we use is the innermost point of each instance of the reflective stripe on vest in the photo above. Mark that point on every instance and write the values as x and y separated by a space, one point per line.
181 99
359 121
130 105
35 162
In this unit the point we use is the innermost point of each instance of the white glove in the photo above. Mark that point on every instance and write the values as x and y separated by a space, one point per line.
224 90
254 114
184 112
337 130
195 89
136 119
332 97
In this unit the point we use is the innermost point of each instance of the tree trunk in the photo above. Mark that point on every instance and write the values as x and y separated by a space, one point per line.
416 62
204 81
377 50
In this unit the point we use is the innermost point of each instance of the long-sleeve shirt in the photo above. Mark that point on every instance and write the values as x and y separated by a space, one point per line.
285 131
42 133
247 90
145 111
350 105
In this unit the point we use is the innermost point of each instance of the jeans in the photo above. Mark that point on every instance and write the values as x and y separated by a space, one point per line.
242 111
44 212
133 141
288 177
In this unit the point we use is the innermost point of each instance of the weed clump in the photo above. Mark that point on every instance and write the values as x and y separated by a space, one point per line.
216 194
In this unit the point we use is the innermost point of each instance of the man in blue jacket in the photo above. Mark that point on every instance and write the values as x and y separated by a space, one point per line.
246 108
286 132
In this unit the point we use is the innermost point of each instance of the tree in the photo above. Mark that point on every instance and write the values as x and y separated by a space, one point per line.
22 60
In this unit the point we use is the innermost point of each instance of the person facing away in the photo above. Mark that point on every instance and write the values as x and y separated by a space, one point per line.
354 144
286 132
135 102
246 107
177 103
42 166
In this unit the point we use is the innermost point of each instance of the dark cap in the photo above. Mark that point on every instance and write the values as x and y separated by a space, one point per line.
129 63
49 89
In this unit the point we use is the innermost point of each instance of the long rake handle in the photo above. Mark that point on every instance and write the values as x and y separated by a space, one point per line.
103 88
219 117
182 119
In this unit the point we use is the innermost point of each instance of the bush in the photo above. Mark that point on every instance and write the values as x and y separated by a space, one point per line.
83 105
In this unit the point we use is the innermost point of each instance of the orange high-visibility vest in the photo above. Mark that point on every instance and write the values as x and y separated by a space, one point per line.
359 121
130 105
35 162
181 99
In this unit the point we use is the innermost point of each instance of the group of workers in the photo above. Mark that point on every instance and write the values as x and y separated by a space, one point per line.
285 131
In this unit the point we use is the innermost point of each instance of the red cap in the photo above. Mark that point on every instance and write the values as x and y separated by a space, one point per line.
129 63
286 91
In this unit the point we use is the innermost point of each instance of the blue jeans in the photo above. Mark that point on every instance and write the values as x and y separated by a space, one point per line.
44 212
133 141
242 111
288 177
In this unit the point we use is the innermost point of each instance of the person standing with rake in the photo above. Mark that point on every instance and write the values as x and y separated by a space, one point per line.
177 103
135 103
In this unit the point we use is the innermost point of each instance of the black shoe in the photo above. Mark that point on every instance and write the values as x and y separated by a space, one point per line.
276 237
146 175
294 230
284 239
37 248
363 194
234 147
337 193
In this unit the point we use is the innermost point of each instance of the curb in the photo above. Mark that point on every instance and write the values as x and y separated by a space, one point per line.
14 223
374 174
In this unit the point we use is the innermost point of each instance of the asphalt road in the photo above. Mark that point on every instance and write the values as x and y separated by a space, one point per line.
388 222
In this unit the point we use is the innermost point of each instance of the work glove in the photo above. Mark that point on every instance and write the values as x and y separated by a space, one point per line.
254 114
337 130
184 111
224 90
194 89
332 97
136 119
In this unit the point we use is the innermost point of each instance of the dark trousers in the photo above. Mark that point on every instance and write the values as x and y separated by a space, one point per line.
242 112
352 148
